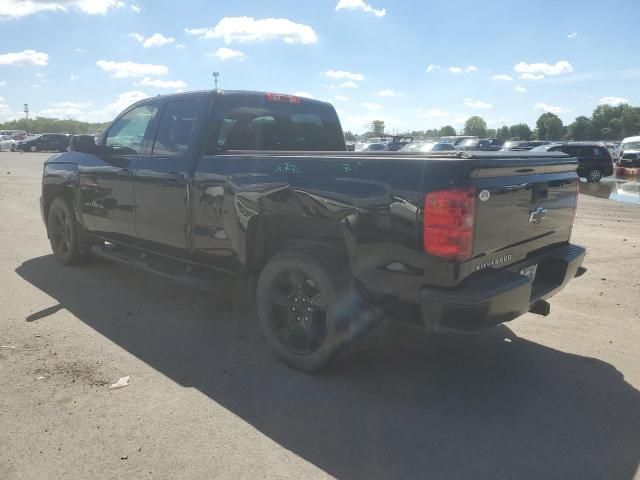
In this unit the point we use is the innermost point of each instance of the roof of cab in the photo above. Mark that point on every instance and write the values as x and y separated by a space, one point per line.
239 93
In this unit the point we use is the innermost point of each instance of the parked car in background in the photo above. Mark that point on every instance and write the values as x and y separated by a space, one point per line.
456 139
630 143
629 155
614 150
7 143
594 160
517 145
15 134
486 145
399 142
57 142
424 147
372 147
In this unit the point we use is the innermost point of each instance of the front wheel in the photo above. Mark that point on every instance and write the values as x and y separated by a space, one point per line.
594 175
304 308
64 234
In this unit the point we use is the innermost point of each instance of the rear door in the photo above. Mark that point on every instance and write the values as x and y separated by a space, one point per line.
162 176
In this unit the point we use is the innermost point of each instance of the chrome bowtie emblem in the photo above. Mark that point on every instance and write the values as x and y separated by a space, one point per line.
536 216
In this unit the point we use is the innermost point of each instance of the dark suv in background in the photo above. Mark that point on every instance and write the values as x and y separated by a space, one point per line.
594 160
57 142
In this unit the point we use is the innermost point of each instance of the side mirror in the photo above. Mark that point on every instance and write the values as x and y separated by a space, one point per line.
82 144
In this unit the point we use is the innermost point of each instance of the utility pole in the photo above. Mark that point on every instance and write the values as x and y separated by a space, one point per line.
215 79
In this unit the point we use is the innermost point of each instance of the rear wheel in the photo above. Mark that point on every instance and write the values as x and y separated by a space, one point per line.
64 233
304 307
594 175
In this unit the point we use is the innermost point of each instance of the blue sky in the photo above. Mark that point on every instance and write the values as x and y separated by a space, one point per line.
414 64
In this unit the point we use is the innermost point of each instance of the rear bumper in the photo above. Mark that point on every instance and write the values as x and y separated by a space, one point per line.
499 297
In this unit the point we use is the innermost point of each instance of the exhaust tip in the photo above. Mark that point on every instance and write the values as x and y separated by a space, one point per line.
541 307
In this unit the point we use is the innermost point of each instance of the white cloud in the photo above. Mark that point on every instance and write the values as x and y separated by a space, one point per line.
35 85
24 8
503 77
537 71
157 83
360 5
135 8
64 110
520 89
73 77
39 75
372 107
348 84
388 93
469 102
111 110
303 94
432 68
81 50
3 83
572 35
249 29
181 45
434 113
25 57
458 70
155 40
340 98
438 117
530 76
342 75
549 108
131 69
224 53
5 111
613 101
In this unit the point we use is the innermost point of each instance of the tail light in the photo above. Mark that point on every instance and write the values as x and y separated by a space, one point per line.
449 217
277 97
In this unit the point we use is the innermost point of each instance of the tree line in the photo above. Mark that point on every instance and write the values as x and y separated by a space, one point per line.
53 125
607 122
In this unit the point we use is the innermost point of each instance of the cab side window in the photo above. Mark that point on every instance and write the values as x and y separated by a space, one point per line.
126 136
176 127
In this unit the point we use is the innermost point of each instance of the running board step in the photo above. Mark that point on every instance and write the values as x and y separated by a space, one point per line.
201 280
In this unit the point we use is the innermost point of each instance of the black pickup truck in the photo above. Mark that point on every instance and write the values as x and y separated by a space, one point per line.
333 243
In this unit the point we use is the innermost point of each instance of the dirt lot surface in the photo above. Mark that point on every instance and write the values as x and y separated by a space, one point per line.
544 397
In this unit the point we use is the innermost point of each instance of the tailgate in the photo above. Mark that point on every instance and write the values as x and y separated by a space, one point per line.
523 204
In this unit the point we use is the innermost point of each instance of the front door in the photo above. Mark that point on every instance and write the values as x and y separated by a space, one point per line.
106 178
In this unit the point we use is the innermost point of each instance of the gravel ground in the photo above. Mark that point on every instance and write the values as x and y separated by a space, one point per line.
553 397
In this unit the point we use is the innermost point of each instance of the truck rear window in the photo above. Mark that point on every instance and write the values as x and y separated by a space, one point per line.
251 122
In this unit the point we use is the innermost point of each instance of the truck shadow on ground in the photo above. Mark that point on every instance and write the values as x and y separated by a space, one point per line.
494 409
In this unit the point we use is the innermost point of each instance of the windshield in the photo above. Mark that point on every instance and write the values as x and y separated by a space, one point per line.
631 146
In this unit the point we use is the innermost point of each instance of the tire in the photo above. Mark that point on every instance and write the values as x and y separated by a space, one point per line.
594 175
304 309
64 233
